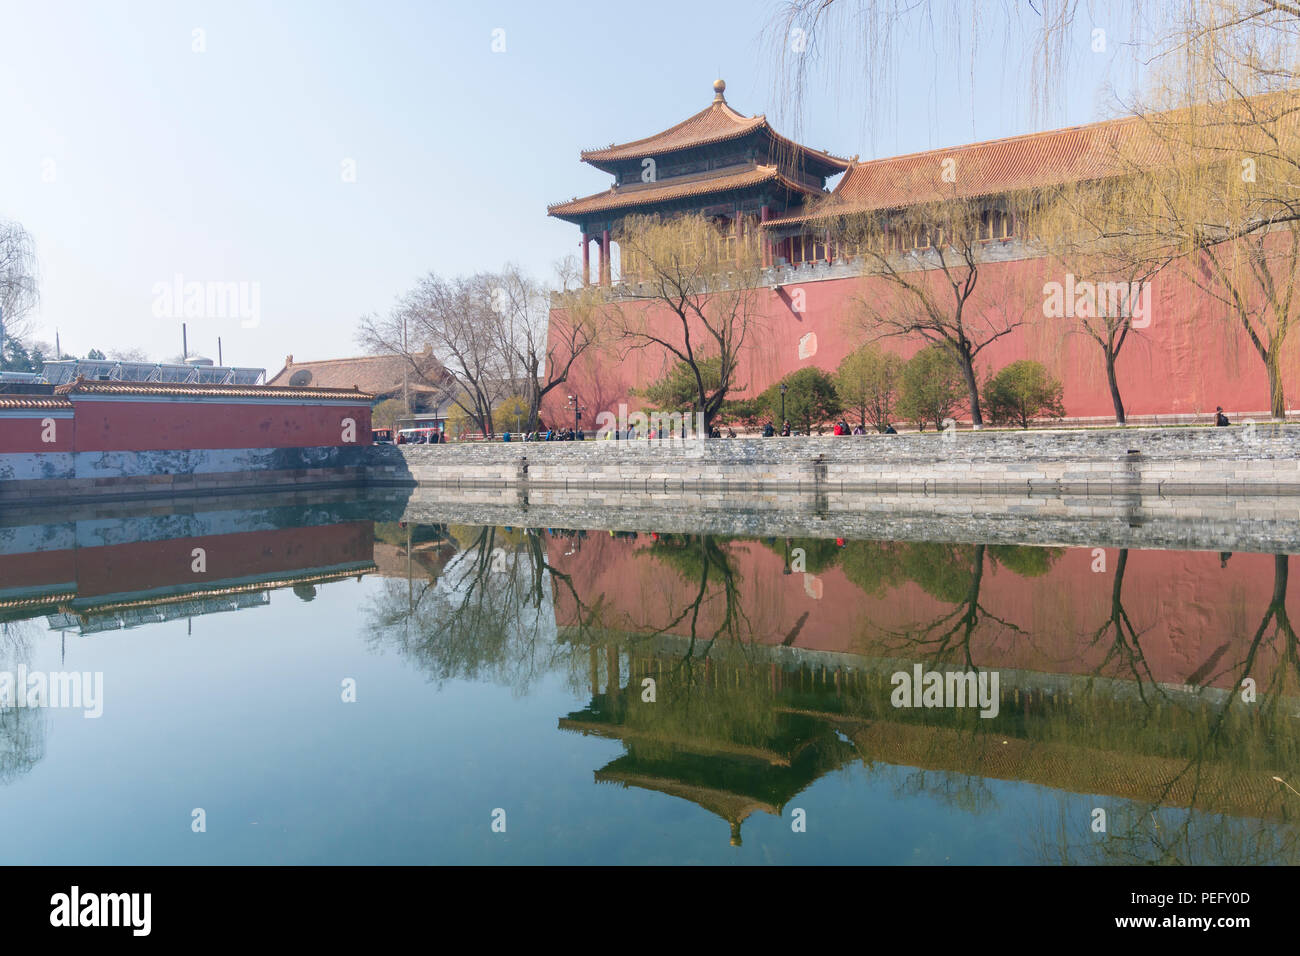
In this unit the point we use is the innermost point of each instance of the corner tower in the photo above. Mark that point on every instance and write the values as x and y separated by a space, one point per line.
718 163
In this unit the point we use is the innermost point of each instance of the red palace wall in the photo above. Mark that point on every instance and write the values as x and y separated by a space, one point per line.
24 430
113 425
97 425
1190 358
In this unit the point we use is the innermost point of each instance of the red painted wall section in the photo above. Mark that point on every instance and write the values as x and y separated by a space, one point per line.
114 425
28 433
1190 358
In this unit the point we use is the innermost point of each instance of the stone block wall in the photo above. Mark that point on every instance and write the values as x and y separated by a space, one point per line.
1259 459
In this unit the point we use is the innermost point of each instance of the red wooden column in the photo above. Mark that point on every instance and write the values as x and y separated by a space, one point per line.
586 259
768 258
738 224
604 257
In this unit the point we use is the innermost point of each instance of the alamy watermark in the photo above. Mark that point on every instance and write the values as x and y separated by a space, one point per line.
650 428
182 299
1086 299
922 688
127 910
72 690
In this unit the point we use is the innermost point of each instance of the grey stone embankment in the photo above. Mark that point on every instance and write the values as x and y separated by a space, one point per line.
1254 523
1235 461
61 478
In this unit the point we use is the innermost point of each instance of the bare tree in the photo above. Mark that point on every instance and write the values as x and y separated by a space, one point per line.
708 283
922 268
1229 201
452 321
539 346
1100 233
866 45
19 280
130 355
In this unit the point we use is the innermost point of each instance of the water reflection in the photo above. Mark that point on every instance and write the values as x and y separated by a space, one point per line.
1120 674
473 603
735 673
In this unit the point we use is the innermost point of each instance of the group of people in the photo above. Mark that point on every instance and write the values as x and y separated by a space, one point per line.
615 434
842 427
433 436
549 434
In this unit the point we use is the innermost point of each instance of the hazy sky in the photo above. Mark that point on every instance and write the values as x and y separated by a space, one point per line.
136 150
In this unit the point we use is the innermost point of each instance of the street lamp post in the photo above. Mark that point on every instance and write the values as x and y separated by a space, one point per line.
783 388
577 413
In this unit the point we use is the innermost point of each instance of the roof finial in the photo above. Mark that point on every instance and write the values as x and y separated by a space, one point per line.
718 87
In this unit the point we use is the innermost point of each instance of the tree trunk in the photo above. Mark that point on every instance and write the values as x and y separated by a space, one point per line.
968 373
1120 418
1277 399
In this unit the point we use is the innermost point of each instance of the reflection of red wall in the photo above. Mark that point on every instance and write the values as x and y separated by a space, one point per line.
143 565
147 426
39 569
1189 360
1193 618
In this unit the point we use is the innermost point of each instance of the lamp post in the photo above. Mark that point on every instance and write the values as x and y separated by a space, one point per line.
577 413
783 388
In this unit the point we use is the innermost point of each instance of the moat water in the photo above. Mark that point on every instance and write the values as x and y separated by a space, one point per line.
320 682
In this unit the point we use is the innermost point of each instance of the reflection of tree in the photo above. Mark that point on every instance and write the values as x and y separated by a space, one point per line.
1248 742
961 791
1276 616
1144 835
486 615
959 580
703 560
22 729
1028 562
940 569
22 741
1125 648
1269 706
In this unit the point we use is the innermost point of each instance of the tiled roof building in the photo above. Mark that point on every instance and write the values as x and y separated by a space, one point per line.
717 162
721 163
382 376
993 168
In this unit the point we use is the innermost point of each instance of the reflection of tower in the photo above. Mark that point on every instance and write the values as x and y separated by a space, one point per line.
717 735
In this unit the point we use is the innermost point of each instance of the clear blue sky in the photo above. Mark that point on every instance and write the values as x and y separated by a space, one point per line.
225 165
